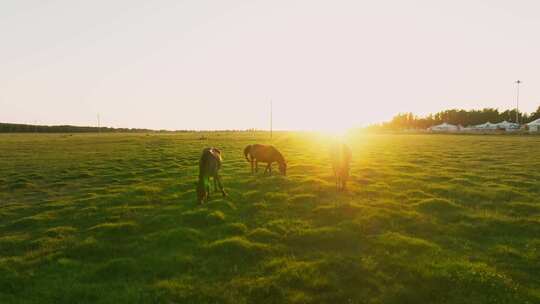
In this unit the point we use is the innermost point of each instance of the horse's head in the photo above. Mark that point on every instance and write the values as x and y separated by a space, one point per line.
246 152
283 168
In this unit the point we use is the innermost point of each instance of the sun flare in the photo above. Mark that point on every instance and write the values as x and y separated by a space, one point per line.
337 132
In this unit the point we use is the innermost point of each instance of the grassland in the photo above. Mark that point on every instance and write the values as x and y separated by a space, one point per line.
112 218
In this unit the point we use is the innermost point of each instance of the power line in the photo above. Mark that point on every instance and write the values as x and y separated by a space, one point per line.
271 127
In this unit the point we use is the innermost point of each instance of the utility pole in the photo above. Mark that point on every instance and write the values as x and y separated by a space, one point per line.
98 123
271 119
517 101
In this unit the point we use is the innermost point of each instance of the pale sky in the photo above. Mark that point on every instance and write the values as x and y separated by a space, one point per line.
216 64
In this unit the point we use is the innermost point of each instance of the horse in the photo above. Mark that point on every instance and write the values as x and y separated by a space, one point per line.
266 154
209 165
341 155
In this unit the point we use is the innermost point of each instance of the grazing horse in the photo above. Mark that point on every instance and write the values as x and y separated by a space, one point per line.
209 166
266 154
341 155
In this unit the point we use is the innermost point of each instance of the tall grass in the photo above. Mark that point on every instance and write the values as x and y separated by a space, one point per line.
112 218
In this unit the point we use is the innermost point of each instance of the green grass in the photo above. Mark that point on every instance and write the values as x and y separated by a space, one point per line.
112 218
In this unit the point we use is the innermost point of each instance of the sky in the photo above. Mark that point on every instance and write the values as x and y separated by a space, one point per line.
325 65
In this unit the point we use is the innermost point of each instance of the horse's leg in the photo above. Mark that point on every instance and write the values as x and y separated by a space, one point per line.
256 165
346 175
215 185
336 178
268 168
343 179
218 178
207 189
199 189
251 163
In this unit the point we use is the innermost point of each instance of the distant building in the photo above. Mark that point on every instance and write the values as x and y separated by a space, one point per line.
444 127
534 126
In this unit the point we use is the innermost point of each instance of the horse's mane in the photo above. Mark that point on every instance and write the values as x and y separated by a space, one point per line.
279 155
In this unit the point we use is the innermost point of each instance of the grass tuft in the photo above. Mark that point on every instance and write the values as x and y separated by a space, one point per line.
115 229
203 217
237 248
442 208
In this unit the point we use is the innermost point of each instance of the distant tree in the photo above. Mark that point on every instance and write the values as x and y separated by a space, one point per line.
456 117
534 115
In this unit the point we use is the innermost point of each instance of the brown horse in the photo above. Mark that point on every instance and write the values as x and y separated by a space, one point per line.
266 154
209 166
341 155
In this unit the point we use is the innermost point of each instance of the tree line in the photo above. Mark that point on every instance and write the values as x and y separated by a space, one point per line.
24 128
456 117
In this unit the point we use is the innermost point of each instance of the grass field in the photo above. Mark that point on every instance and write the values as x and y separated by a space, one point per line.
112 218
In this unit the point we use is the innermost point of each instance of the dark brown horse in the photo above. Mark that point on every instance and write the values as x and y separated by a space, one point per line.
266 154
209 166
341 155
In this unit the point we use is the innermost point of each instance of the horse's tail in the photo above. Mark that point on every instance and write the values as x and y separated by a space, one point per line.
247 152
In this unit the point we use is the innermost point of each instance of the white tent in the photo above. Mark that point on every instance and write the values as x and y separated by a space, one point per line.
534 126
507 125
444 127
486 126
